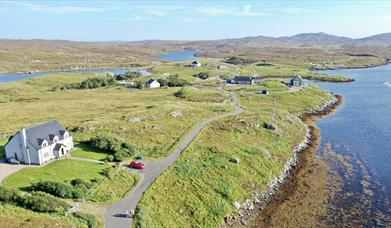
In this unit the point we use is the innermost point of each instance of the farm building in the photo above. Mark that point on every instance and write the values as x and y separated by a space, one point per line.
195 64
152 83
296 81
40 143
246 80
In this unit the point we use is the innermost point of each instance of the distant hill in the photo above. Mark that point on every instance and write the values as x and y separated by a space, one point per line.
315 39
380 39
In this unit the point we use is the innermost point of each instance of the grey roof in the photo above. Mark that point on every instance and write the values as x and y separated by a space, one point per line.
44 131
298 78
243 78
58 146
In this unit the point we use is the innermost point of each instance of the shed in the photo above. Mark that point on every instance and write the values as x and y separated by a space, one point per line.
152 83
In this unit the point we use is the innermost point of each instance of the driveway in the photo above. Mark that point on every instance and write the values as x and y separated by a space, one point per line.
115 215
8 169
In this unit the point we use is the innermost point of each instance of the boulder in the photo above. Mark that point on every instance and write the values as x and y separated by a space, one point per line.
237 205
134 119
235 160
176 114
270 126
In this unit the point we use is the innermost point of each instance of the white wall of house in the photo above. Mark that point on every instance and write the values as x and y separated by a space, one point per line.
154 84
27 153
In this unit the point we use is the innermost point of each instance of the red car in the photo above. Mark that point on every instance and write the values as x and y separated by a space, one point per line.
136 165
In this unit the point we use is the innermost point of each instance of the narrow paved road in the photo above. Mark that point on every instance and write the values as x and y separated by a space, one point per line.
115 215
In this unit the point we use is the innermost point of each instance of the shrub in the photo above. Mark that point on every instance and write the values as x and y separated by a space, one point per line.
87 218
173 81
128 75
55 188
11 196
113 145
91 83
180 93
80 182
110 158
63 190
202 75
42 202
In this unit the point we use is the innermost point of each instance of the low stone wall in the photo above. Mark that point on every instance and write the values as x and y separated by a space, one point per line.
261 199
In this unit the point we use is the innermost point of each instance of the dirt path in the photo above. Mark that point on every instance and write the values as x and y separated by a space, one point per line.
115 215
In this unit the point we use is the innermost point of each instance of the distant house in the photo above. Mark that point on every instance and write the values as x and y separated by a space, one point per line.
195 64
40 143
264 92
152 83
245 80
296 81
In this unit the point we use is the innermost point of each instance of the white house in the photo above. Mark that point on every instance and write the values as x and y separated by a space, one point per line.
196 64
296 81
40 143
152 83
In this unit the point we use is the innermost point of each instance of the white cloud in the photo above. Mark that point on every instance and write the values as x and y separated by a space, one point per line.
246 11
59 9
155 10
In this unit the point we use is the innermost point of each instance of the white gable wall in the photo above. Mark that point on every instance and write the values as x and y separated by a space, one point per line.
154 84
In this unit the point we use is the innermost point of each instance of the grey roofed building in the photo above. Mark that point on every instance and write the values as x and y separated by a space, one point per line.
244 80
46 131
297 81
39 144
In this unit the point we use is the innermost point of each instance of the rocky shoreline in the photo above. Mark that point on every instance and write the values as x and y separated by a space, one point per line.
278 188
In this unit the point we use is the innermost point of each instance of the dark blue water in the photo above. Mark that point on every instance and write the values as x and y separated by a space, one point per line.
178 56
16 77
361 129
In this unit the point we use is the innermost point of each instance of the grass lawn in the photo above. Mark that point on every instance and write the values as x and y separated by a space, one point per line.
207 189
85 151
12 216
109 111
270 85
114 188
61 170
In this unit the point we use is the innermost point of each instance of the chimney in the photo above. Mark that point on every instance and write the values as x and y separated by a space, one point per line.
25 149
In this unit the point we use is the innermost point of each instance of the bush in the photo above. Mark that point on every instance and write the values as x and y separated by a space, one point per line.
128 75
91 83
113 145
202 75
80 182
10 196
173 81
180 93
42 202
109 158
63 190
87 218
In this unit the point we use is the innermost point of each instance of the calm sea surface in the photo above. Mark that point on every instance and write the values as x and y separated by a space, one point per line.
177 56
361 131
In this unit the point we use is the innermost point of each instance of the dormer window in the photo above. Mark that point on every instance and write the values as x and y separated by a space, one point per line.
42 143
53 138
64 134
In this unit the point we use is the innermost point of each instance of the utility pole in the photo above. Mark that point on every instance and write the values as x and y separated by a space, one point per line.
274 108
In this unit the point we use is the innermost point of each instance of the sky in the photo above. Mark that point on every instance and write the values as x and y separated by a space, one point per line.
189 20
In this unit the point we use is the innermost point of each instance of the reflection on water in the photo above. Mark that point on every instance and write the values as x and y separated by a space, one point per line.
360 134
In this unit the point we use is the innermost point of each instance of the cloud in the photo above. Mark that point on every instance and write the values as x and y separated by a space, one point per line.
246 12
59 9
157 11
